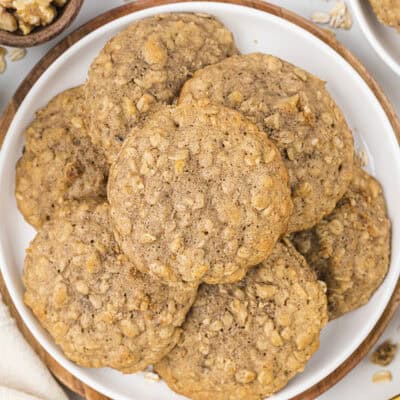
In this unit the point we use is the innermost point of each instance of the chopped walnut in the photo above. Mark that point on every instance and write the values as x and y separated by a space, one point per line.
384 353
33 12
7 20
26 15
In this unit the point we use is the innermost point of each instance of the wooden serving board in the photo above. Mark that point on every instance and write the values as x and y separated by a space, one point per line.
59 372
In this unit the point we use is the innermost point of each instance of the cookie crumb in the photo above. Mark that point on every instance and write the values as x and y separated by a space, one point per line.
384 353
382 376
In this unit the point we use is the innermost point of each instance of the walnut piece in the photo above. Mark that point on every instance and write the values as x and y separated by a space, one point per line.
384 353
7 20
26 15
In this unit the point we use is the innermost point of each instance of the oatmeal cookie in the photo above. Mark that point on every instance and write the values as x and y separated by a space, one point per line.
145 65
387 11
59 161
298 114
99 309
245 341
198 193
350 248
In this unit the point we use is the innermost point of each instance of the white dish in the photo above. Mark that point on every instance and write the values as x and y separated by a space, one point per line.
254 31
385 40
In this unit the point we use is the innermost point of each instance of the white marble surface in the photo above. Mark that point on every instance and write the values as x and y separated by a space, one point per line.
358 383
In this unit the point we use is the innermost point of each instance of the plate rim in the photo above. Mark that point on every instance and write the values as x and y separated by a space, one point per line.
71 381
385 56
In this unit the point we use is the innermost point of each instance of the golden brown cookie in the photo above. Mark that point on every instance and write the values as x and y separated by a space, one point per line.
350 248
98 308
296 111
59 161
387 11
145 65
245 341
198 193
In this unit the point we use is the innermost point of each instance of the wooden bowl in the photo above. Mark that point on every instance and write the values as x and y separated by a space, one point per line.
71 381
43 34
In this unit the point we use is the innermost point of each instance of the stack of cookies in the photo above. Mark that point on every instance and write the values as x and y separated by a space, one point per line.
197 210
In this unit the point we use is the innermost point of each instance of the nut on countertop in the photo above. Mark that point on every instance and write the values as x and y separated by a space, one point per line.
384 353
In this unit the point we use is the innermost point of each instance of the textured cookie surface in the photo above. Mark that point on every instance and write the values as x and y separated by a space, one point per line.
350 248
388 12
244 341
198 193
145 65
59 161
95 304
298 114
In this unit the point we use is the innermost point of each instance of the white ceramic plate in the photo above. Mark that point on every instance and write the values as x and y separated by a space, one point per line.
385 40
254 31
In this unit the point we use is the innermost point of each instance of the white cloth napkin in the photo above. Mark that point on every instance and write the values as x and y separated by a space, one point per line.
23 376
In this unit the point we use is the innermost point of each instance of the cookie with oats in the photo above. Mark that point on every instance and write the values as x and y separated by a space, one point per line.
350 248
59 161
198 193
296 111
96 305
245 341
387 11
145 65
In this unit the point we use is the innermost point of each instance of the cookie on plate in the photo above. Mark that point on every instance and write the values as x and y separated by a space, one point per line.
59 161
146 65
387 11
350 249
99 309
245 341
198 193
296 111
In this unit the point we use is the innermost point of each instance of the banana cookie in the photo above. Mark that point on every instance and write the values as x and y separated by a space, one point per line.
99 309
198 193
350 248
387 11
296 111
59 161
146 65
244 341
